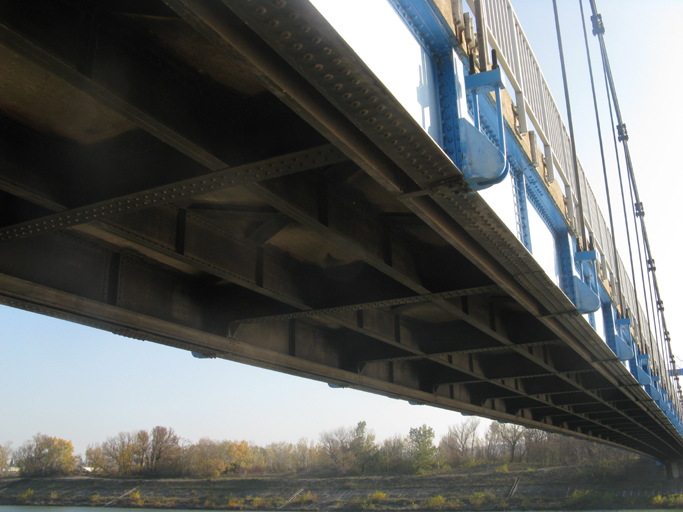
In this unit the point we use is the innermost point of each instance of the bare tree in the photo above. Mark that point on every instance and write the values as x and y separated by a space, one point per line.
511 435
336 446
120 452
163 448
457 445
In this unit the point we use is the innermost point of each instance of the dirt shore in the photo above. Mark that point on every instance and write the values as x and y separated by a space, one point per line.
478 488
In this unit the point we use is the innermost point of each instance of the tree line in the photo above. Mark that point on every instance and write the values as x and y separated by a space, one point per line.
160 452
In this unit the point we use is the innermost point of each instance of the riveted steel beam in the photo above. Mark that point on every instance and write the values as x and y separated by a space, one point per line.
186 189
417 299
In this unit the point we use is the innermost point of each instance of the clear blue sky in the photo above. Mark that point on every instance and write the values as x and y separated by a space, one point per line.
81 384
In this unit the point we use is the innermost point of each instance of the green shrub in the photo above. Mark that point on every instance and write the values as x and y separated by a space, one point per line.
502 469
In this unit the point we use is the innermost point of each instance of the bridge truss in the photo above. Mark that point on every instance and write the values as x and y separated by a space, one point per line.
230 178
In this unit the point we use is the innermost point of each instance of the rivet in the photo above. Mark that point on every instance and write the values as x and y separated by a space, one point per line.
327 51
364 112
318 67
338 87
336 61
281 3
355 81
373 98
316 40
286 35
261 10
347 95
355 104
329 77
308 56
306 28
365 90
297 46
294 16
273 23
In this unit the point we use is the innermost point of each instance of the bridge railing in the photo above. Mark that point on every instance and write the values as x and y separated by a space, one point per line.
533 97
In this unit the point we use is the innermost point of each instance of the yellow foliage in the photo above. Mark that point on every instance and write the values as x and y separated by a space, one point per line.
25 496
478 499
435 502
378 496
308 498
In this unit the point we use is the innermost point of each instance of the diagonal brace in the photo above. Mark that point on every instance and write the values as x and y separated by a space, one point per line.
192 187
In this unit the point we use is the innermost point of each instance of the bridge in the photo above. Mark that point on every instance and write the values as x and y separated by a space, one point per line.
232 179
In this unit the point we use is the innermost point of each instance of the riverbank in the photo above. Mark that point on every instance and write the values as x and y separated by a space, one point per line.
463 489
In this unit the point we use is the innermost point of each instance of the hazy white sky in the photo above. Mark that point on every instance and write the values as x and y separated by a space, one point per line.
81 384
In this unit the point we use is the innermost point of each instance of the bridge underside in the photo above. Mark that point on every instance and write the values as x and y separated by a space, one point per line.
235 182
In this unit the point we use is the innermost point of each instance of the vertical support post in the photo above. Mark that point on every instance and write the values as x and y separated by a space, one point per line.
521 209
549 164
564 261
608 325
448 97
520 102
672 469
480 15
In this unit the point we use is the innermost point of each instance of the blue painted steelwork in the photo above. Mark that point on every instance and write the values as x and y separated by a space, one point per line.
482 163
587 293
431 30
521 210
564 257
615 340
586 285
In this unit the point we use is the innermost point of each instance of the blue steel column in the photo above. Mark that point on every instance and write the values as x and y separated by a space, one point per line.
431 30
564 256
448 95
521 209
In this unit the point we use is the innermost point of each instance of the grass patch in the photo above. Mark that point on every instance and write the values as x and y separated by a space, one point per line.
25 496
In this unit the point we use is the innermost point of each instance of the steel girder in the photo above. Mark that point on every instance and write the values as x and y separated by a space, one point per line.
266 270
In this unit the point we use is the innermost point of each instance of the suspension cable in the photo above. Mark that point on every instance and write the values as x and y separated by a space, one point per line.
623 137
582 233
618 291
623 203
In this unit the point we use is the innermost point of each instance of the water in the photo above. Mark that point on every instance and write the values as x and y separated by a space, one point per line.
43 508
